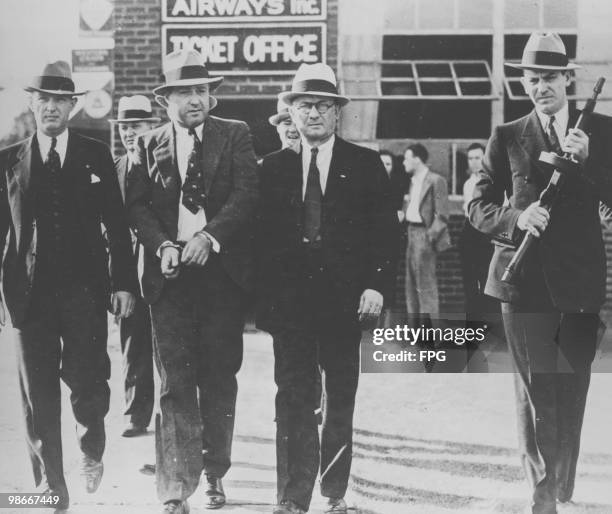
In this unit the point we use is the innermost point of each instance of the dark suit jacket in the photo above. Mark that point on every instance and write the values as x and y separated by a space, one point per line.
571 252
231 187
433 208
359 231
98 201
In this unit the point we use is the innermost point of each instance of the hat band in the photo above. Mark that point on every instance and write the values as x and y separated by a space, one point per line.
540 58
53 83
186 72
134 113
314 86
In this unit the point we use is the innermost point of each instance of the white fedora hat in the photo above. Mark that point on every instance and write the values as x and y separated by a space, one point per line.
544 51
186 68
55 79
314 79
282 113
134 108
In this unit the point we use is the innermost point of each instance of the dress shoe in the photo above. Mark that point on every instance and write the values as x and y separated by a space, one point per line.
132 430
214 492
288 507
176 507
91 473
63 500
335 506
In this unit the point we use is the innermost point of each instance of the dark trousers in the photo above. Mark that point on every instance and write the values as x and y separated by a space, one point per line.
475 251
137 353
552 353
198 323
330 339
64 336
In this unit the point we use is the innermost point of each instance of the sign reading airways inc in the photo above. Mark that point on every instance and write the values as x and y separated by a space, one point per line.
242 10
250 48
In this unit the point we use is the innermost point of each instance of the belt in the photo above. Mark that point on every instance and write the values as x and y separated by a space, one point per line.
413 224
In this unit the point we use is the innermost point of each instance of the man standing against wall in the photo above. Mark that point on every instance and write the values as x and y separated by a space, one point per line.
426 216
327 238
134 119
551 313
191 203
56 188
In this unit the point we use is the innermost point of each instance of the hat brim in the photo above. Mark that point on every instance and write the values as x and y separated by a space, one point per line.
289 96
213 81
129 120
520 66
277 118
56 92
160 99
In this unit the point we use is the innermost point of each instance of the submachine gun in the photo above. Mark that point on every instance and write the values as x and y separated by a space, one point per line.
563 164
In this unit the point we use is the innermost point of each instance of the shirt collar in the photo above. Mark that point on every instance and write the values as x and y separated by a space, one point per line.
418 175
45 141
184 131
323 148
561 119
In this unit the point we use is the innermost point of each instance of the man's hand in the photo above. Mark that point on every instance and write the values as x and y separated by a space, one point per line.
196 250
577 144
370 304
170 262
534 219
123 304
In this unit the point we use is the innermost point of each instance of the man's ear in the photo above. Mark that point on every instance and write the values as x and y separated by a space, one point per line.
161 100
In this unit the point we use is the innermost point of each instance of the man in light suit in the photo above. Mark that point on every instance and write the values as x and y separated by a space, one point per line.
326 245
134 118
191 202
426 216
551 312
56 188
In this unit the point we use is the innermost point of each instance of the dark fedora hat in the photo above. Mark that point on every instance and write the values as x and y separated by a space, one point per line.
55 79
544 51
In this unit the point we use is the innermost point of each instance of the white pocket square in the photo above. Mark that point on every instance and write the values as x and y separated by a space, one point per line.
94 178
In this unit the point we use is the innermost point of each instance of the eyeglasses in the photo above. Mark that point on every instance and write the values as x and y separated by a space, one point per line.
322 107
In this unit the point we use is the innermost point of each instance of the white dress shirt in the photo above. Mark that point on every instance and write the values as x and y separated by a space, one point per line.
412 211
44 145
560 124
323 161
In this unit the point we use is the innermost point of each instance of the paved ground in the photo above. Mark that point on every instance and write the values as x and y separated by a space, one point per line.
424 443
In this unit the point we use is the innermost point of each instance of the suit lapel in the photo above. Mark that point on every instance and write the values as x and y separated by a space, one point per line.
427 183
122 169
213 137
533 141
333 175
164 155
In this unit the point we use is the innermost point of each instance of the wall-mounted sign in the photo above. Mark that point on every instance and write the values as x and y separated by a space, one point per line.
216 11
254 48
87 60
96 18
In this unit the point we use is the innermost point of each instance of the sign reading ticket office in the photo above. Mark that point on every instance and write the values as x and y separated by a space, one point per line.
216 11
250 48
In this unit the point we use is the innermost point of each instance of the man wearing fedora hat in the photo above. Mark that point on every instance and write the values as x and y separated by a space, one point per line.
287 132
551 315
191 202
135 117
57 187
326 244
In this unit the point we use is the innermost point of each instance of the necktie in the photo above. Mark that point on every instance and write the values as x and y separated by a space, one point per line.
312 201
53 163
552 136
194 197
